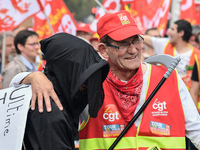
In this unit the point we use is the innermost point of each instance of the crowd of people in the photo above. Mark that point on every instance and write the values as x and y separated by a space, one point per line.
105 76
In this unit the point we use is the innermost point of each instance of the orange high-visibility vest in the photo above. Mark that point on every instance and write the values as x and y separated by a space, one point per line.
159 126
195 57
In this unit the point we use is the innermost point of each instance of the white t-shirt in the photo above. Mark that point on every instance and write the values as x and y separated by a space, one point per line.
159 45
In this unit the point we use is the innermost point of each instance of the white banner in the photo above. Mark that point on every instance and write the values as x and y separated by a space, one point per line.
14 105
14 12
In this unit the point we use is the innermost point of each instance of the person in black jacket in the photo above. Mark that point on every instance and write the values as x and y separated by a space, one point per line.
77 73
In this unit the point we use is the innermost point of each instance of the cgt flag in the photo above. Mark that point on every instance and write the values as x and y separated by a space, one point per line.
14 12
60 18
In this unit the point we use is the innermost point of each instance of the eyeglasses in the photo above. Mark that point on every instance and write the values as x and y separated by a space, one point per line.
125 46
33 44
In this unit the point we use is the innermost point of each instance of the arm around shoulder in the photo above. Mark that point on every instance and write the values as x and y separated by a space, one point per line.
17 79
42 88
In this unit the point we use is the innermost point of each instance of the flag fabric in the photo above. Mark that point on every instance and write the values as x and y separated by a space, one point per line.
188 11
149 14
110 6
124 2
136 10
60 18
15 12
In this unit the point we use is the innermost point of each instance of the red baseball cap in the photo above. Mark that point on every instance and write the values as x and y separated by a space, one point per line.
83 27
118 26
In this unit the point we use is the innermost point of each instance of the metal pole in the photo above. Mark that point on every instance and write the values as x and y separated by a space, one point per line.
48 22
166 75
97 1
3 54
42 8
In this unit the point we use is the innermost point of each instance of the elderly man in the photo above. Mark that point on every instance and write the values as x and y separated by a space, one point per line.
169 116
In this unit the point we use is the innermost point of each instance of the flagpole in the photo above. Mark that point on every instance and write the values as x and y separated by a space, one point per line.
3 52
42 8
48 22
97 1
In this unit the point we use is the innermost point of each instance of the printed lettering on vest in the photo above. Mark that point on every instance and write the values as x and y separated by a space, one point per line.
111 116
111 113
160 128
160 108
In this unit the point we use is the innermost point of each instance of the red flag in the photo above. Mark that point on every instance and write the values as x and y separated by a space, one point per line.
150 14
110 6
136 10
14 12
60 18
188 11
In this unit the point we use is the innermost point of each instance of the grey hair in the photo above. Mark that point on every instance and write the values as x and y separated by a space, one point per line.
8 34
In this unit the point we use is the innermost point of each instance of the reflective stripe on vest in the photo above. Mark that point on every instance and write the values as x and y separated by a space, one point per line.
127 142
172 142
96 143
169 49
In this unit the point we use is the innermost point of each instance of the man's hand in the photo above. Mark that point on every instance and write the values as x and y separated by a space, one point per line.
41 88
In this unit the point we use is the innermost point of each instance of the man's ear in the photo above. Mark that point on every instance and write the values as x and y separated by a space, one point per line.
181 33
103 50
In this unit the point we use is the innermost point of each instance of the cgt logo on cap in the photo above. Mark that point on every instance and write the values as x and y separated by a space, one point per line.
123 18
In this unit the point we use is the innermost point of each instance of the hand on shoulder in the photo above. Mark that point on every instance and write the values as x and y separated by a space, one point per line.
41 88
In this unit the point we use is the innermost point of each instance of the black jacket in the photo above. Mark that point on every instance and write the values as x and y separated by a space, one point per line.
70 63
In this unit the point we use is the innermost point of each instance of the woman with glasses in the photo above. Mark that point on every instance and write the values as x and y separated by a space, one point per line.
27 45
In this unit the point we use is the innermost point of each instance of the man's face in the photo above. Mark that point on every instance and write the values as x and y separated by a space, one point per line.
154 33
95 44
9 45
84 35
193 42
127 59
173 34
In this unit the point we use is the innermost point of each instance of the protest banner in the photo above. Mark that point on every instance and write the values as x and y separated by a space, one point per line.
14 105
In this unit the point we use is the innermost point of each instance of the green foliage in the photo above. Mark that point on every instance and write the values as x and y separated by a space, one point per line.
81 8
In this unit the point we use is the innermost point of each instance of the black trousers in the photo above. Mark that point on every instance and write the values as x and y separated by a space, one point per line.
49 130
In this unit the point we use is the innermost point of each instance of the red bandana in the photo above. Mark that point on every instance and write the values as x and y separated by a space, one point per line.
126 94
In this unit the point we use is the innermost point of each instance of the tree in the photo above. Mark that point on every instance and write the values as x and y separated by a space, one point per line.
81 8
